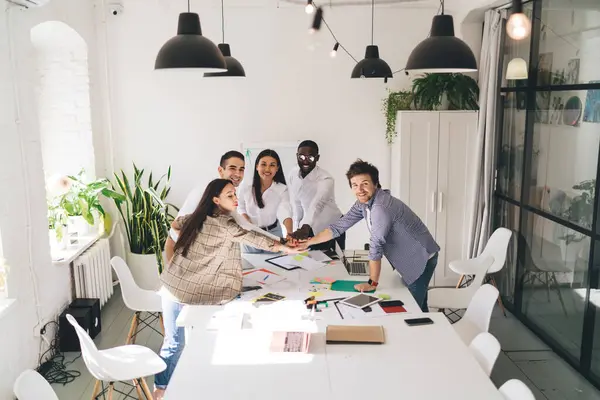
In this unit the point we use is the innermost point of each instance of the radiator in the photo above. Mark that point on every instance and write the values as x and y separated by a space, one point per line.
92 273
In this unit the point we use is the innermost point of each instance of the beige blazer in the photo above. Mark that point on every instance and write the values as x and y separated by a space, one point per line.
211 273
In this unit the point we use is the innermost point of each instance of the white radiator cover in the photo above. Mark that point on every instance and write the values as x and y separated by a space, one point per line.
92 273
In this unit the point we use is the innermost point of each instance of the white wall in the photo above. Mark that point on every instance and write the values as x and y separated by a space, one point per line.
166 118
161 119
40 289
63 99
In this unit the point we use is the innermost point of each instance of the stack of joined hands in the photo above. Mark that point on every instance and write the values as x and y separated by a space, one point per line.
300 239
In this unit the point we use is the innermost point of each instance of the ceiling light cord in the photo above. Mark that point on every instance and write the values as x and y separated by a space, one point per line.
442 6
188 5
222 21
372 20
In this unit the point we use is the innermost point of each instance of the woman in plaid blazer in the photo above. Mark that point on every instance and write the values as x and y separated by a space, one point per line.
206 267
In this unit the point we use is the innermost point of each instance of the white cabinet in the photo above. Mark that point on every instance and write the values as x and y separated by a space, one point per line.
432 172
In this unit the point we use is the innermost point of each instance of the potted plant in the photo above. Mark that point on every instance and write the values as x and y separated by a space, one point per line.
57 225
147 219
445 92
82 203
394 102
579 210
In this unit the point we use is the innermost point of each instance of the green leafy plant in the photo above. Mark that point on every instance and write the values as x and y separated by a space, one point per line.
57 218
146 215
578 209
581 208
461 91
83 198
395 101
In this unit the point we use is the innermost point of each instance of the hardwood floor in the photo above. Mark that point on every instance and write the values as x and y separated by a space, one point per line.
116 320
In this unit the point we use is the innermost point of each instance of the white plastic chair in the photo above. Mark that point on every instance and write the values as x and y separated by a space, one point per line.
478 314
490 261
30 385
119 364
486 349
138 300
514 389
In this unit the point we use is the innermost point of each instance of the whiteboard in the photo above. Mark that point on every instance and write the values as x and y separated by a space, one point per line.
286 150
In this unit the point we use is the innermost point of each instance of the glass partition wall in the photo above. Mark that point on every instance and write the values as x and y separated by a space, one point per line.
546 181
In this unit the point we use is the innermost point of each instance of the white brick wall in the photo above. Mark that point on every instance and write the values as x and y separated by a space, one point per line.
23 221
63 98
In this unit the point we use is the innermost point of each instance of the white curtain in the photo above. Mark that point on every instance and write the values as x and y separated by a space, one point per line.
482 194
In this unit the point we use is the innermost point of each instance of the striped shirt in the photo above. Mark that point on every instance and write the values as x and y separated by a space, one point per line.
396 233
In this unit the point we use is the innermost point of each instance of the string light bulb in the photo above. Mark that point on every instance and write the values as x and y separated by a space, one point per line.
310 8
518 26
335 50
316 25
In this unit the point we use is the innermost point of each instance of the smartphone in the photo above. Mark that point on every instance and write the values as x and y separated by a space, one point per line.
418 321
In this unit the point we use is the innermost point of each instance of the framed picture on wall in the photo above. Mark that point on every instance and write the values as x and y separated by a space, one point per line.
572 74
545 69
591 112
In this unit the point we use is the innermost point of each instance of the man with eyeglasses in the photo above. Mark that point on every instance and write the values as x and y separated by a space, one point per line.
313 197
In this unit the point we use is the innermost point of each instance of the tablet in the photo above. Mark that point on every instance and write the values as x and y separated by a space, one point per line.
360 300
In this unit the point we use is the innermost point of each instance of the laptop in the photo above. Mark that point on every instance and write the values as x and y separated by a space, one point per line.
354 265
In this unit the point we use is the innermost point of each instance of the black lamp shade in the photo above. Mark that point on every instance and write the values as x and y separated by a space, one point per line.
234 67
189 49
372 66
442 52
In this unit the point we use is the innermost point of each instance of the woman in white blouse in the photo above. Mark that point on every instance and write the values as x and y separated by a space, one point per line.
267 201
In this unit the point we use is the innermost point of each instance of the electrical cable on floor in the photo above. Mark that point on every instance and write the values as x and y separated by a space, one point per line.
54 369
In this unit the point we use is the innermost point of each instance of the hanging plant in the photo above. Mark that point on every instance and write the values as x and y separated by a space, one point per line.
462 92
395 101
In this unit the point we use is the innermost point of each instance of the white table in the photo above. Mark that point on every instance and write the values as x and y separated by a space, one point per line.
390 284
426 362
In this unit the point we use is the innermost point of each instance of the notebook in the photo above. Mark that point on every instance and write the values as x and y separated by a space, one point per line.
290 342
345 334
346 286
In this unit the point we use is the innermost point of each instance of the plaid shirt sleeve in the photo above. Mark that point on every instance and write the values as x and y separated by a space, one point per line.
254 239
179 222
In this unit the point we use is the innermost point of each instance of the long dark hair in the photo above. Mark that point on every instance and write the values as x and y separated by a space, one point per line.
205 208
279 176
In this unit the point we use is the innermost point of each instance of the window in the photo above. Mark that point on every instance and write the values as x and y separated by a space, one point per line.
547 173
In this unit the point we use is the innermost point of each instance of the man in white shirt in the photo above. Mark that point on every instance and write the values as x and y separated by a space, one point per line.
313 197
232 167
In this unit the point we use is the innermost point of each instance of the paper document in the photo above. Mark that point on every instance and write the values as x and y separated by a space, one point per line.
262 276
224 320
318 255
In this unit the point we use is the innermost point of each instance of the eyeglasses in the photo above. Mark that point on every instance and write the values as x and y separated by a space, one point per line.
303 157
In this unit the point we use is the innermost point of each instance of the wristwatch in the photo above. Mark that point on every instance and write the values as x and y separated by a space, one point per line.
372 283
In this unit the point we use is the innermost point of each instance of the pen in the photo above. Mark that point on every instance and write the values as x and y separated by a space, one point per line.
266 277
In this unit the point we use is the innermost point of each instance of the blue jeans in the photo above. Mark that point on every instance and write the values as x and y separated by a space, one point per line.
277 231
420 287
173 342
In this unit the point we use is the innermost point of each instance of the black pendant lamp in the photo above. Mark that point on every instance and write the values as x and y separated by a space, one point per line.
234 67
189 49
372 66
442 52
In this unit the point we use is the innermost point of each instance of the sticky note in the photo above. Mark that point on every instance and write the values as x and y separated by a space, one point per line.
299 257
384 296
316 294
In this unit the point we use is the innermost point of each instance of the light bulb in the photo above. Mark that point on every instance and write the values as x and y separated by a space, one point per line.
309 8
334 51
518 26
